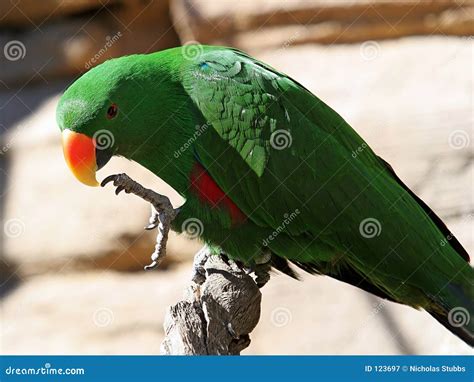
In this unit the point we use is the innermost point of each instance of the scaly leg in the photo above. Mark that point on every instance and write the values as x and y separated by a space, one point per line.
163 212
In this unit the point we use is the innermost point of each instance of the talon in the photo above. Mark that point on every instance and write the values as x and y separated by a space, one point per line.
225 258
262 273
162 212
153 265
109 179
199 272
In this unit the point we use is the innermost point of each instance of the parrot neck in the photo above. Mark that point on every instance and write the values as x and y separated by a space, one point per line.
164 166
162 136
167 159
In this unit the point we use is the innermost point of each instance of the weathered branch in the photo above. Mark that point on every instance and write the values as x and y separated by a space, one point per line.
217 312
222 304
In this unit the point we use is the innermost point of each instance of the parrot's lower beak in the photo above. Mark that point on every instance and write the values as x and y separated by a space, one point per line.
82 156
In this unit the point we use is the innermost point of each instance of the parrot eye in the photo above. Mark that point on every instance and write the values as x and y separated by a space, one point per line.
112 111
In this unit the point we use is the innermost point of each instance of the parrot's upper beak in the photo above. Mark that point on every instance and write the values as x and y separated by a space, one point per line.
82 157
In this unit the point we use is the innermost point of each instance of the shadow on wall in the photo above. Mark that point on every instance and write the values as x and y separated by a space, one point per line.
16 104
44 41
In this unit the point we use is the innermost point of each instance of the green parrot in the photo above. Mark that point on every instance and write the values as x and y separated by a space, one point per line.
266 168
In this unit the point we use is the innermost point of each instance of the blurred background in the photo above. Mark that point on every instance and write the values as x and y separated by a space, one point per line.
72 257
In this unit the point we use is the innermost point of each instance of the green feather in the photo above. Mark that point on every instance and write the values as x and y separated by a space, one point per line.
275 150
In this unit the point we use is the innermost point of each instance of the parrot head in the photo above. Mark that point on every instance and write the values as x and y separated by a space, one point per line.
105 111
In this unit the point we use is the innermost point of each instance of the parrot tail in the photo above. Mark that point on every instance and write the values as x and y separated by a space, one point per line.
458 315
453 321
454 316
455 310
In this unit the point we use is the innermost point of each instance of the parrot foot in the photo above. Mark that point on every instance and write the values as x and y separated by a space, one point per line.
199 272
262 274
162 215
262 268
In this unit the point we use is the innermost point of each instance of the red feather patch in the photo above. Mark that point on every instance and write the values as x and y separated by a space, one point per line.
209 192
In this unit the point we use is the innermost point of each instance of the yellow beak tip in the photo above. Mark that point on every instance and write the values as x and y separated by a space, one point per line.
79 152
84 175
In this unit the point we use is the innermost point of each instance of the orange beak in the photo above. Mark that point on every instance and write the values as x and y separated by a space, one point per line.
79 152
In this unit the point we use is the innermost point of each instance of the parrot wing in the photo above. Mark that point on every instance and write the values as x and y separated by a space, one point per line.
292 164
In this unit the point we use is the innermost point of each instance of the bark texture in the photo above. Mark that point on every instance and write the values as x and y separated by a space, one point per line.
216 314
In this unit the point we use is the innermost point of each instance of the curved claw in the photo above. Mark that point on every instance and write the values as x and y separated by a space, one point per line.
162 211
109 179
151 226
153 265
